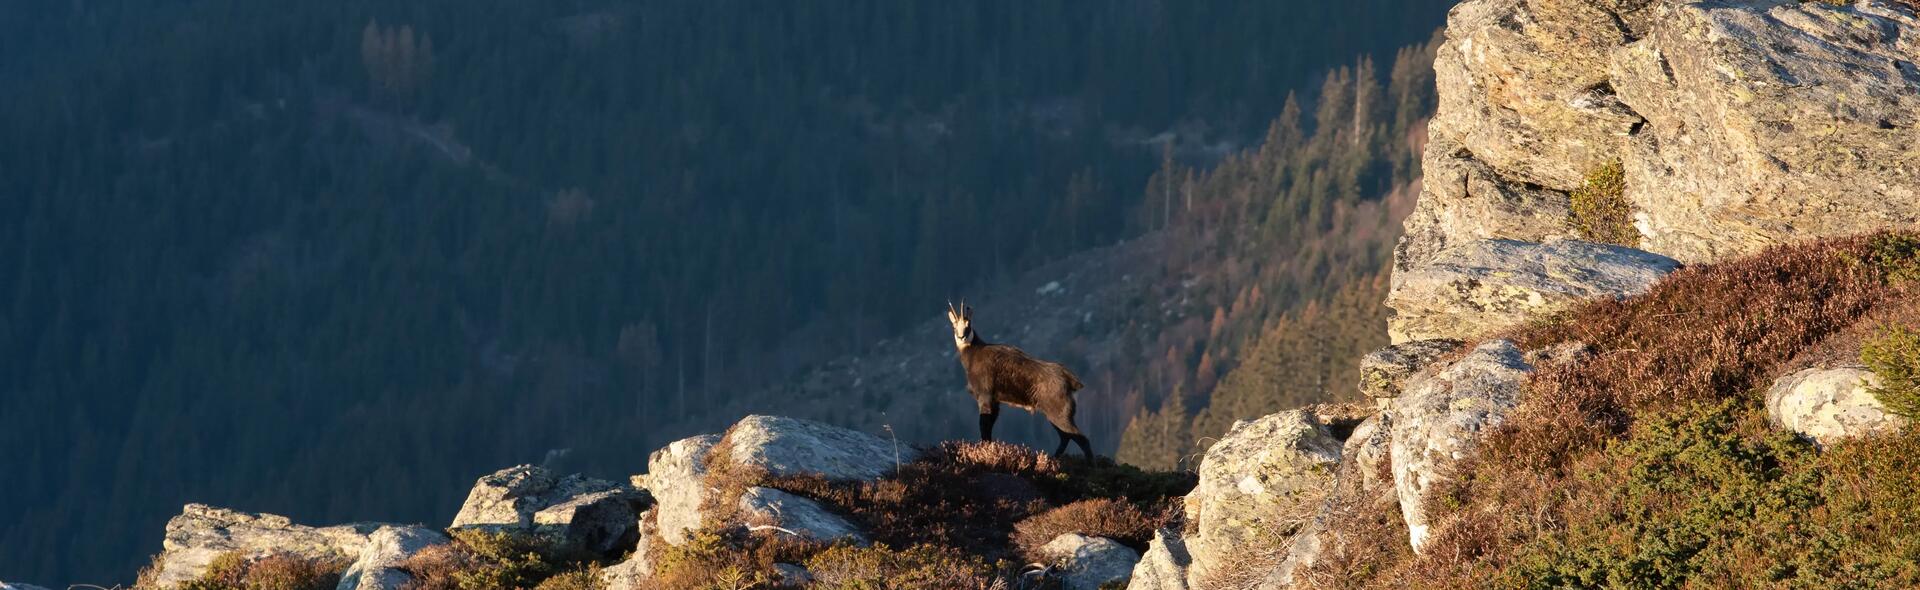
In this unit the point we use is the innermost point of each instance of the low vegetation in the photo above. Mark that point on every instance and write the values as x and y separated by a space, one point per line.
1601 211
949 519
1894 357
234 571
1652 464
490 560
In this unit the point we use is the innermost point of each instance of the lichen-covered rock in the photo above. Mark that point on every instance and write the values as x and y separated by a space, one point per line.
591 514
677 477
798 515
1442 417
1383 372
1258 484
1359 486
200 533
1523 87
1482 286
1465 200
791 446
1771 121
1089 563
378 565
1828 405
1164 566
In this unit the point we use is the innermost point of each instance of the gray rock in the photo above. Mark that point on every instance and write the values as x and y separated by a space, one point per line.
790 446
1828 405
677 477
1442 418
1164 566
792 576
1771 121
767 507
200 533
1258 486
591 514
1384 371
1482 286
1359 486
1465 200
378 566
1087 563
633 572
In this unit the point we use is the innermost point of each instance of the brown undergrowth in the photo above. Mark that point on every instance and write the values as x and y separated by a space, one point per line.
1621 470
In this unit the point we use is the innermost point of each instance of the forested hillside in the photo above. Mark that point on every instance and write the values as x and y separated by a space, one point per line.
336 259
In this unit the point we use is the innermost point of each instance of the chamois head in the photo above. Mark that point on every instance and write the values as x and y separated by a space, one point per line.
962 320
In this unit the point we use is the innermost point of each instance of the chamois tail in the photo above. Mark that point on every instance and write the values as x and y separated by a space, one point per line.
1073 382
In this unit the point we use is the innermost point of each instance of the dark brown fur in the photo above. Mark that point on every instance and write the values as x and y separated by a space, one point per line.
1002 374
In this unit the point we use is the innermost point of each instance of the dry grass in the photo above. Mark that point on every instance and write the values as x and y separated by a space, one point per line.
1705 336
234 571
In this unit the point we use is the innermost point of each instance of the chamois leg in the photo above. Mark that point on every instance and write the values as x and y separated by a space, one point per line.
988 413
1063 424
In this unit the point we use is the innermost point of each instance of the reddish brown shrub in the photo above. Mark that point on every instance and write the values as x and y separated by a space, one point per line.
1100 517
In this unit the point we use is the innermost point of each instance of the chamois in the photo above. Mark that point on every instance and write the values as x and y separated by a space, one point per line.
1002 374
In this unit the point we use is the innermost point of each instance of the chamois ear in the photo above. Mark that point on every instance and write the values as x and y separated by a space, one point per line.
966 311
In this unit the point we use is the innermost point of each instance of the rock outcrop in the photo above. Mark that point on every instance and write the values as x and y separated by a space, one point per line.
1089 563
638 567
1164 565
1770 121
1442 417
1735 126
1258 486
792 446
591 514
201 533
1829 405
1481 286
378 565
1362 483
677 477
796 515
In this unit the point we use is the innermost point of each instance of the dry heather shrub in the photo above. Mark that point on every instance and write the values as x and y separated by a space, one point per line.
921 566
233 571
1704 334
484 560
994 457
1100 517
1371 534
727 559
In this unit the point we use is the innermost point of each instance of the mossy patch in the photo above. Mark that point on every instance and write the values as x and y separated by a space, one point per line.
1601 211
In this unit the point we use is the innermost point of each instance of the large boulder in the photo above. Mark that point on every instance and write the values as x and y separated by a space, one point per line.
1441 419
1384 372
1465 200
590 514
1482 286
1361 486
784 512
677 477
201 533
791 446
1828 405
1164 566
1089 563
1258 486
378 566
1771 121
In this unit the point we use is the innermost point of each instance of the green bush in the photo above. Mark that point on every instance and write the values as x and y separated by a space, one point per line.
490 560
1601 212
921 566
1894 255
1894 357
